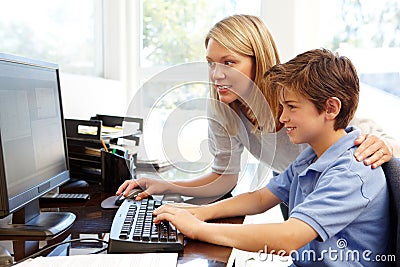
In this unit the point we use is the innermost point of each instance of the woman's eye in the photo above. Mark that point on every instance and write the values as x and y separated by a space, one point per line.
228 63
211 64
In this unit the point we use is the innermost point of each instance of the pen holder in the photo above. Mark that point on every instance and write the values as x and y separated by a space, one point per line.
116 167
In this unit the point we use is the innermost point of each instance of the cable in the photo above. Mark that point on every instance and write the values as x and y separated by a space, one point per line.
99 251
62 243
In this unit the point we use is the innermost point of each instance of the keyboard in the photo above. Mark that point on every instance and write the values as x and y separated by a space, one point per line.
65 197
133 230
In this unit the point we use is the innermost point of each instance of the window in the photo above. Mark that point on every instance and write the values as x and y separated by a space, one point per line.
367 32
174 30
64 32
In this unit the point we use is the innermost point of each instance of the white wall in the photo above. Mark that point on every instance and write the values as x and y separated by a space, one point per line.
85 96
295 25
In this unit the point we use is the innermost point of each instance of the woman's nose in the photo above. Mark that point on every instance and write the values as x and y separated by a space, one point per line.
218 72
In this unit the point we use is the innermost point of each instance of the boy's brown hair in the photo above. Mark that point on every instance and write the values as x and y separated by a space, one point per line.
318 75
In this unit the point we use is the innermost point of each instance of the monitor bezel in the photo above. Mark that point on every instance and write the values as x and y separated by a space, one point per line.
9 205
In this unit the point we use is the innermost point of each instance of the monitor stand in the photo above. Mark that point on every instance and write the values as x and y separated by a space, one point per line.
29 222
29 225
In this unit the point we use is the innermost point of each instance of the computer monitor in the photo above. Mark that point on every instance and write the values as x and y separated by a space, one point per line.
33 149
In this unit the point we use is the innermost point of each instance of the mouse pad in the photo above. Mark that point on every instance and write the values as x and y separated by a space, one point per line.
108 203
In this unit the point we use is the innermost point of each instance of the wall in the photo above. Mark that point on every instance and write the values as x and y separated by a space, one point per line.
85 96
295 25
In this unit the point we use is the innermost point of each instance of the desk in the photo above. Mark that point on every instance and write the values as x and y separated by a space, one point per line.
92 219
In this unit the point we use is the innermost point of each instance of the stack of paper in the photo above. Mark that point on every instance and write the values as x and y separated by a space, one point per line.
106 260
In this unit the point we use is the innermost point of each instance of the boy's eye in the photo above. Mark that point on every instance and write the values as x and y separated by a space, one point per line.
291 106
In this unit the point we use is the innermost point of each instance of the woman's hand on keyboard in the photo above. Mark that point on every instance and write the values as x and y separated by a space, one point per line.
182 218
149 186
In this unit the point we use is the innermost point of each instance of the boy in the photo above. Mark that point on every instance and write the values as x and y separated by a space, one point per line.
338 206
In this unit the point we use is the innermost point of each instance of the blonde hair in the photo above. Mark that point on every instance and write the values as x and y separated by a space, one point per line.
247 35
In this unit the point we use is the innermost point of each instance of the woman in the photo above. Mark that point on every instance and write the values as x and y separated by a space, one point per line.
242 46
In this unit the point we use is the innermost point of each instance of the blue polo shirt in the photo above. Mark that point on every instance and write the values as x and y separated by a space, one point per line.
343 200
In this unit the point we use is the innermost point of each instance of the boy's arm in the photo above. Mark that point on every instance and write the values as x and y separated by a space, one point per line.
278 238
243 204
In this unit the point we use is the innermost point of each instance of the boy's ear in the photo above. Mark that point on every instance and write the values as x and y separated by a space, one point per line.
333 106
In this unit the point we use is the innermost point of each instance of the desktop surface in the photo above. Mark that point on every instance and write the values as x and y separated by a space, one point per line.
94 220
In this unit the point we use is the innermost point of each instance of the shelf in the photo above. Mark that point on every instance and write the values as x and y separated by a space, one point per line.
84 143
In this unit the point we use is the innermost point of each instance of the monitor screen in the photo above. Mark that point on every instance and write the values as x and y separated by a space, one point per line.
33 155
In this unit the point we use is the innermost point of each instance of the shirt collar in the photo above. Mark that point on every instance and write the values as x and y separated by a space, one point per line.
307 157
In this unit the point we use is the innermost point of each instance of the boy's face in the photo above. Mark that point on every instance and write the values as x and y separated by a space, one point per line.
302 121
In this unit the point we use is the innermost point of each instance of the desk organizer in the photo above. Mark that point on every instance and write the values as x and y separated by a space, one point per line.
84 140
116 167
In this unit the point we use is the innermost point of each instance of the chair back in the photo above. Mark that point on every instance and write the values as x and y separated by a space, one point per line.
392 174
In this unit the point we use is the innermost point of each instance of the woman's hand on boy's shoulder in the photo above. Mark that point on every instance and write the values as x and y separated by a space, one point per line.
372 150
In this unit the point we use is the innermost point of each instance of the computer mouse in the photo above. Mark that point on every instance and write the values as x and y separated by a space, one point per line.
131 195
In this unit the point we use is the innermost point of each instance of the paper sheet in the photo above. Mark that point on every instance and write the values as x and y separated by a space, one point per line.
105 260
242 258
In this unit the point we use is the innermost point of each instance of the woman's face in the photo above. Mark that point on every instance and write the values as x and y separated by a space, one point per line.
231 74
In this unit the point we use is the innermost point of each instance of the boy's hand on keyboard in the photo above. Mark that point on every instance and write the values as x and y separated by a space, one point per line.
196 210
182 219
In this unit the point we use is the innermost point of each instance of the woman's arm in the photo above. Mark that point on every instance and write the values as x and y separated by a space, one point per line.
209 185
